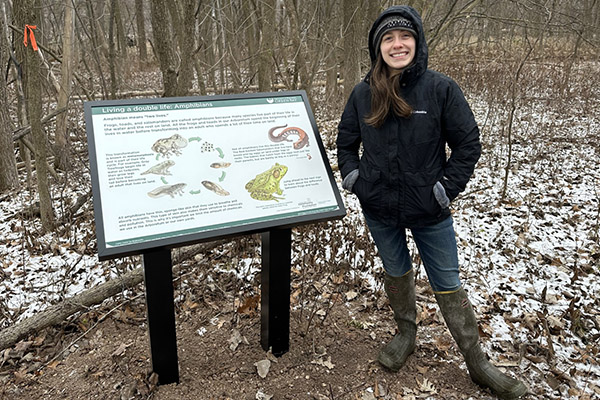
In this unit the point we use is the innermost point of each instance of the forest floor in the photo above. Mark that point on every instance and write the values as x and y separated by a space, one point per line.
530 263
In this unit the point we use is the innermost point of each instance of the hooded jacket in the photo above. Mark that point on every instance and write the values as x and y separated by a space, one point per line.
402 160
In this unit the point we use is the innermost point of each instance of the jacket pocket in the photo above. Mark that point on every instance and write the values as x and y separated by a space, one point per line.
368 187
420 200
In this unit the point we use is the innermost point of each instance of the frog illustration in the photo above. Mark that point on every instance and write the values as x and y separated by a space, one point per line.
169 146
265 185
160 169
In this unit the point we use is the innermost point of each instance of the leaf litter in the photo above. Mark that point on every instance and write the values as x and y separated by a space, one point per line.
530 263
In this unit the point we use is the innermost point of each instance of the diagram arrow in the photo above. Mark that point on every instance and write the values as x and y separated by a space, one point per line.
221 154
222 177
195 138
162 178
194 191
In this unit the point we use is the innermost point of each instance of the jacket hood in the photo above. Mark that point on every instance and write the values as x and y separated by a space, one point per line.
419 65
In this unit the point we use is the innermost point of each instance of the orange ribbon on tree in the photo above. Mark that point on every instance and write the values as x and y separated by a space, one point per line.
30 28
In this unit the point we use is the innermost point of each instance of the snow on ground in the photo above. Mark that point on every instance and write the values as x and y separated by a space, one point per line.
530 262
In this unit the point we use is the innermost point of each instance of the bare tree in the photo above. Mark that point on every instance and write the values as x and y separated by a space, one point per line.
141 29
27 13
351 36
62 133
9 177
174 48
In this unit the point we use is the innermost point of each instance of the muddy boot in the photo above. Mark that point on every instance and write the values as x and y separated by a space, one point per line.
460 318
401 293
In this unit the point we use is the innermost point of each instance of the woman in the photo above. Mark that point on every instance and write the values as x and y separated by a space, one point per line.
404 115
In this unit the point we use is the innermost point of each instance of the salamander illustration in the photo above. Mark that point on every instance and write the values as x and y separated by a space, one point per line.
292 130
169 146
170 190
160 169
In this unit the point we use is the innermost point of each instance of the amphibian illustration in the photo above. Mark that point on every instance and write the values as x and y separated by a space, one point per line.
292 130
265 185
170 190
207 147
220 165
170 146
160 169
215 188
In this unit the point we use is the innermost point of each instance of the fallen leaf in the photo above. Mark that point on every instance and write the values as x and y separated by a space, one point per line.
327 363
443 343
250 306
20 376
23 346
423 370
262 396
262 367
426 386
120 350
235 340
39 340
351 295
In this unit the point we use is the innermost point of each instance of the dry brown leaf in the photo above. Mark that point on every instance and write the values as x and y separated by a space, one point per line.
250 305
120 350
22 347
189 305
20 376
423 370
39 340
443 343
426 386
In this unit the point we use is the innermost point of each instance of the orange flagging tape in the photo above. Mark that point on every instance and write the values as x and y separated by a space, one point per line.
30 28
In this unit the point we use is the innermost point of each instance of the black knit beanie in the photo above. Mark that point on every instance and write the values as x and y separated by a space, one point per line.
390 23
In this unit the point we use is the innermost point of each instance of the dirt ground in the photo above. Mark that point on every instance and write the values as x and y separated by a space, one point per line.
105 354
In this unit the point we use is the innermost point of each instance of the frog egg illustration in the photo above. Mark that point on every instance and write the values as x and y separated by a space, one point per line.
206 147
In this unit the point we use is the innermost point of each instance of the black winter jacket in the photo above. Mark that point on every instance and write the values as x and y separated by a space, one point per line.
403 159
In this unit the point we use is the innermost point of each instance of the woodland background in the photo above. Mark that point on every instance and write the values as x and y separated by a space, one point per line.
530 69
90 50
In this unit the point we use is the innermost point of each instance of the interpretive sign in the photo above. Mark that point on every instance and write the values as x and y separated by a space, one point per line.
173 171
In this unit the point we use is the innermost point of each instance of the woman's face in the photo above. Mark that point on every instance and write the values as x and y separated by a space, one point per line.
398 48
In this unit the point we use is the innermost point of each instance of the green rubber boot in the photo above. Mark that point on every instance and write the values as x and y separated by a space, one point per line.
460 318
401 293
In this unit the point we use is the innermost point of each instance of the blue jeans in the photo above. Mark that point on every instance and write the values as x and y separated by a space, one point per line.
437 248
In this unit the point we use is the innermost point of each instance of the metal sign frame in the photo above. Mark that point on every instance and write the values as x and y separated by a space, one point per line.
97 137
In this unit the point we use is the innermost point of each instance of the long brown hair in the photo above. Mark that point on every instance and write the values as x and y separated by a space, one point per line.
385 96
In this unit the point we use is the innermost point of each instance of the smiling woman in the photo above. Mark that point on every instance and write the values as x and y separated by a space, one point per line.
404 115
398 49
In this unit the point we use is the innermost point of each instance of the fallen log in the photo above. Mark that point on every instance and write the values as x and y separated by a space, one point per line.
57 313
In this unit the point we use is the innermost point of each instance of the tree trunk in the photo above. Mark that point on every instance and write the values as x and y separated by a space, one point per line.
9 178
163 40
27 12
62 132
141 29
112 53
57 313
183 12
260 41
351 42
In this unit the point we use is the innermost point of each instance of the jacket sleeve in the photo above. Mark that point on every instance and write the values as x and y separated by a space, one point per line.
349 138
462 135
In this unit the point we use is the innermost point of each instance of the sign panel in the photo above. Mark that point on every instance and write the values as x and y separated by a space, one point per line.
174 171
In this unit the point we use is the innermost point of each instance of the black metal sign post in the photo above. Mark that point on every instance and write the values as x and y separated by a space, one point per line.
275 302
275 290
158 276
